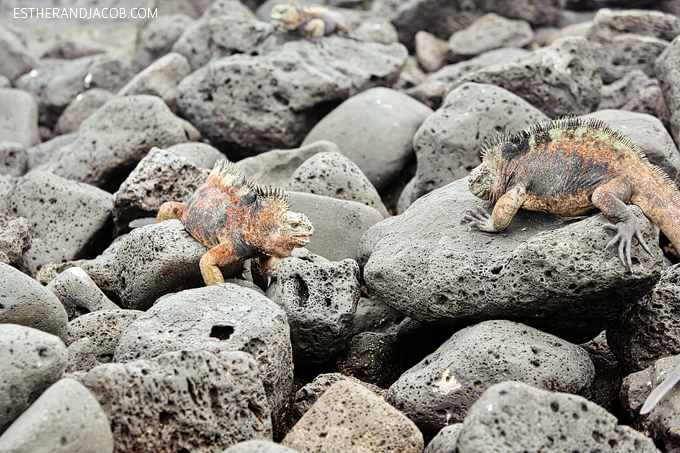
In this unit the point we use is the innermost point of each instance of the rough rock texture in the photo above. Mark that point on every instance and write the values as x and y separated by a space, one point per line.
65 419
274 168
217 318
18 117
69 219
512 416
373 357
31 361
249 104
445 440
652 329
334 175
156 38
93 337
116 137
444 385
560 79
27 303
79 294
320 300
477 39
15 239
70 49
338 224
429 266
38 154
447 144
375 130
57 82
84 105
13 159
667 69
170 174
182 401
15 58
349 417
258 446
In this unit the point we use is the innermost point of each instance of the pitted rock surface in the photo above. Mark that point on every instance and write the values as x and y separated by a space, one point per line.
332 424
65 419
334 175
443 386
445 440
320 300
476 39
31 361
79 294
69 219
447 144
182 401
217 318
80 108
667 69
157 37
15 238
27 303
550 272
375 130
512 416
13 159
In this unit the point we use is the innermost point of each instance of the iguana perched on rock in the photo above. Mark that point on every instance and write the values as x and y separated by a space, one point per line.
573 167
310 21
237 220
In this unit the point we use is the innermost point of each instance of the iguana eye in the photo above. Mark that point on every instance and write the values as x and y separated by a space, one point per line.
295 225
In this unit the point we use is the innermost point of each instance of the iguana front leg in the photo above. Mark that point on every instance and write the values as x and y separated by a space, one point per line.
610 198
505 209
219 256
268 267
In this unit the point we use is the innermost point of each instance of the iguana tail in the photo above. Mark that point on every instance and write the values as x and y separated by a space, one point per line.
659 199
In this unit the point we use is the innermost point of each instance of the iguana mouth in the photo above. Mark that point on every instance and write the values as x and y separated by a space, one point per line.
302 239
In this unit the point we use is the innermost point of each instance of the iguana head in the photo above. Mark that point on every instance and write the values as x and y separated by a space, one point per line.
480 181
288 15
295 228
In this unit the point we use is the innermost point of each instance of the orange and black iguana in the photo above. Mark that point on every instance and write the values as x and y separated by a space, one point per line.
573 167
237 220
310 21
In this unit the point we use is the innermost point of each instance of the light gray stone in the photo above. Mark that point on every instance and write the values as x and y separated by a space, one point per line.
15 58
15 238
430 50
13 159
489 32
79 294
667 69
445 440
258 446
18 117
40 153
82 106
156 38
70 49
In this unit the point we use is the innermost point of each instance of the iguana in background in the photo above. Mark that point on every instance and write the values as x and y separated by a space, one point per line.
310 21
573 167
237 220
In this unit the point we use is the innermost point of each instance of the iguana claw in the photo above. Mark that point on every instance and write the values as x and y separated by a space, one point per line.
624 233
479 218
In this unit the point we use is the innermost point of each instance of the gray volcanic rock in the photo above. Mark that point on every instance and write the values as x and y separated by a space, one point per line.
445 440
667 69
84 105
156 38
26 302
258 446
217 318
637 93
79 294
38 154
512 416
349 417
444 385
18 117
249 104
15 58
116 137
546 271
31 361
70 49
430 51
65 419
13 159
68 218
448 143
375 130
476 38
334 175
320 300
560 79
15 239
183 401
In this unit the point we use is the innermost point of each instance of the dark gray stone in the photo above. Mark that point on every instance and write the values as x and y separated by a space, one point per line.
27 303
258 446
15 58
93 337
349 417
375 130
160 79
69 219
31 361
70 49
18 117
373 315
373 357
217 318
338 224
274 168
65 419
560 79
183 401
334 175
270 101
84 105
445 384
667 69
550 272
79 294
478 38
513 416
156 38
13 159
616 94
116 137
370 238
57 82
445 440
320 300
15 239
448 142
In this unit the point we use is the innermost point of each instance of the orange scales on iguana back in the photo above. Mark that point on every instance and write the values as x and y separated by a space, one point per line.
573 167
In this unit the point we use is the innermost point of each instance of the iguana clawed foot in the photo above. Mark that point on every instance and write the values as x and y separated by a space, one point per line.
624 233
479 218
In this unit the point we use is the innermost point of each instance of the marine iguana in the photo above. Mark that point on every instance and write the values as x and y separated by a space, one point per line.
237 220
573 167
311 21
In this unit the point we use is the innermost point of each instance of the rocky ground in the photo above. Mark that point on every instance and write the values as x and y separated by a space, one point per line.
397 328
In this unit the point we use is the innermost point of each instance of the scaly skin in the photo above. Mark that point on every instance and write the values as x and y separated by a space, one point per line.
238 220
573 167
310 21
